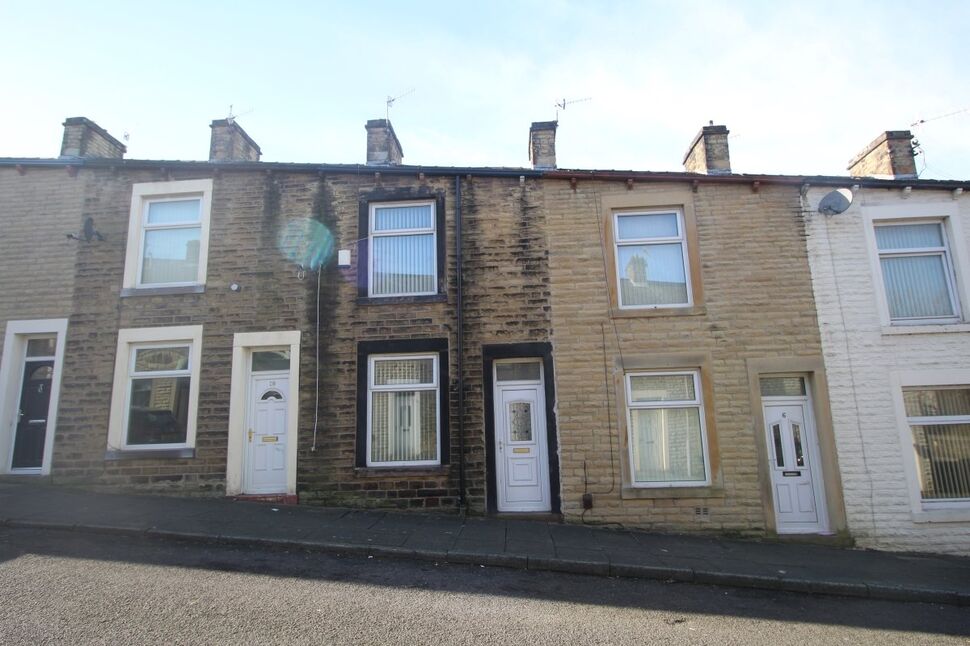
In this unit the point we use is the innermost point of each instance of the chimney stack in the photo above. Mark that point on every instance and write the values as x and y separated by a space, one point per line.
383 147
889 156
542 144
230 142
85 138
709 153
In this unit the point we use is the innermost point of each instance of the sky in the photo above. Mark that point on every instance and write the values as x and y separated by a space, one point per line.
802 87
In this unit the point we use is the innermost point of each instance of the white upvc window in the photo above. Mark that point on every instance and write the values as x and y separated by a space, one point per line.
156 389
168 234
403 418
917 273
402 249
651 259
939 423
667 435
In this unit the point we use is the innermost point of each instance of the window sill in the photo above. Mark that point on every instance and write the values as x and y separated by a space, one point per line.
161 291
953 515
397 300
148 454
632 493
400 472
940 328
695 310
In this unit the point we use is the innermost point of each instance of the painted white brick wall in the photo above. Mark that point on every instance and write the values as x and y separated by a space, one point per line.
861 361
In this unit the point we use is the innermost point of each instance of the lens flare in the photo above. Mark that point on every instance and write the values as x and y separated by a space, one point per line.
306 242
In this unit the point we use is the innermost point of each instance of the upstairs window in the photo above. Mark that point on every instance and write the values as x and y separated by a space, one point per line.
168 234
651 259
917 272
402 254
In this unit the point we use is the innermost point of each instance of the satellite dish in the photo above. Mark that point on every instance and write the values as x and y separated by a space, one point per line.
835 202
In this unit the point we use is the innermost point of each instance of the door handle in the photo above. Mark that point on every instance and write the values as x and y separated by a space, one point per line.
250 435
501 447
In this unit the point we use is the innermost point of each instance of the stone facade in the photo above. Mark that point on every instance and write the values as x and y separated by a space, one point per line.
869 361
709 152
752 301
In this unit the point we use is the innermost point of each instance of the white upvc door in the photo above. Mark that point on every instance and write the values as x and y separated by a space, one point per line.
521 448
793 454
266 434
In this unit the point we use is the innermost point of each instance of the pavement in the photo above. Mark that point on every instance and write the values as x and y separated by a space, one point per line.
501 542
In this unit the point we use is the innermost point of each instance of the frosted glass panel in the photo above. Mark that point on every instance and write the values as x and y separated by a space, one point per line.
403 217
656 225
916 286
403 265
174 212
392 372
652 274
517 371
171 256
782 387
271 360
520 421
658 388
667 445
909 236
404 426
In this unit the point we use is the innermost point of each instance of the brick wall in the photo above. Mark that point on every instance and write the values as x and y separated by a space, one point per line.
861 361
758 304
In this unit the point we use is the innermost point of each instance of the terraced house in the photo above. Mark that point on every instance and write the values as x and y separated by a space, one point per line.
622 347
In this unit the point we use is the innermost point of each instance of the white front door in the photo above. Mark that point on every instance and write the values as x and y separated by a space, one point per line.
266 436
796 483
521 448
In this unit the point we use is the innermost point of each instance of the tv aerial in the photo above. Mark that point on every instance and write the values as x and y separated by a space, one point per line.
390 102
561 105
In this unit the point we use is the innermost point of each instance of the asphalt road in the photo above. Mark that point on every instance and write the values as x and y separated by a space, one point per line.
65 587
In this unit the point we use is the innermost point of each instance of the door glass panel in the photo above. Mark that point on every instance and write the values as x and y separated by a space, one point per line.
40 347
779 452
271 360
517 371
520 421
796 431
271 394
782 386
42 373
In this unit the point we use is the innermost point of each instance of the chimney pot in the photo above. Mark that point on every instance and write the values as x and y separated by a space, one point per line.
709 153
888 156
229 142
85 138
542 144
383 147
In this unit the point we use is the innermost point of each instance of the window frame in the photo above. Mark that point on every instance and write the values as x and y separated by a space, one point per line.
372 388
680 238
130 340
142 196
941 420
697 402
949 272
372 233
